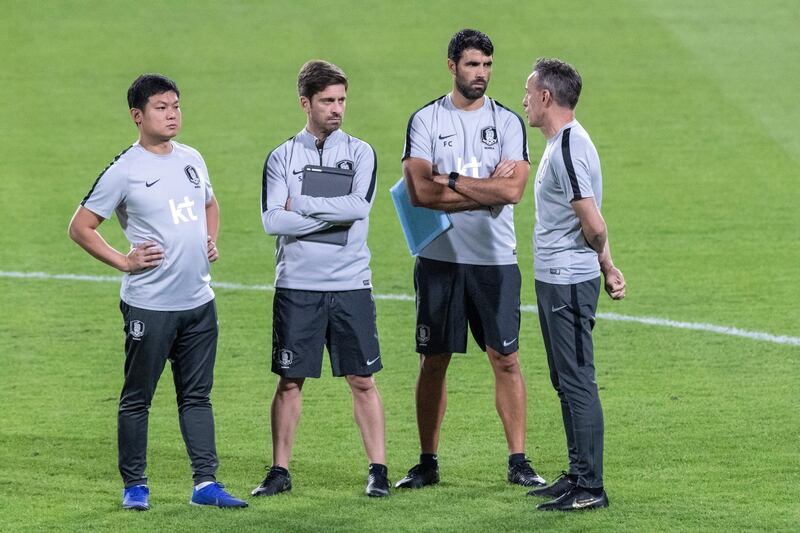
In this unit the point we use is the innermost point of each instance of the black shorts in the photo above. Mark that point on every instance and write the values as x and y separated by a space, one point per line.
452 295
305 321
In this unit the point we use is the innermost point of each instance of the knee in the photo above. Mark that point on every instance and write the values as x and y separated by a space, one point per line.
506 364
289 386
191 400
361 384
434 366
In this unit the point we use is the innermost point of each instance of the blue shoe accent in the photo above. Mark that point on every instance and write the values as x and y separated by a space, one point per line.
136 498
215 495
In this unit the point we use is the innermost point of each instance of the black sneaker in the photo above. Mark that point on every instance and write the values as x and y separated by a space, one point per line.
522 474
277 480
418 477
558 488
576 499
377 482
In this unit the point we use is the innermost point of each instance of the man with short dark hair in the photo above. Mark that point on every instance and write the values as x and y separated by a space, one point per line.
323 290
571 250
467 154
163 198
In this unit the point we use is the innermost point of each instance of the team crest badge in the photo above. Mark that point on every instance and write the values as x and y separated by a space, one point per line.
191 173
345 164
285 358
423 334
136 329
489 136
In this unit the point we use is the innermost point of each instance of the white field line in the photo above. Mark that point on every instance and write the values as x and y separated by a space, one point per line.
650 321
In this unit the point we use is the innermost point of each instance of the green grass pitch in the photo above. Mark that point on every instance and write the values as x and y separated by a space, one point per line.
694 110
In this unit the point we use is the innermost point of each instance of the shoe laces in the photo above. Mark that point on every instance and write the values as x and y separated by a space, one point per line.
525 467
416 469
272 473
138 490
216 488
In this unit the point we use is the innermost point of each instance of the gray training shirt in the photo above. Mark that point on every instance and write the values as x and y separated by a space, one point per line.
569 171
308 265
471 143
160 198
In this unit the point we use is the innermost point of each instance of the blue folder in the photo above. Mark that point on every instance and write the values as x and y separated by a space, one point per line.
420 224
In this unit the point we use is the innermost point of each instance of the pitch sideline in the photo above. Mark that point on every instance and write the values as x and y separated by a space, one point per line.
649 321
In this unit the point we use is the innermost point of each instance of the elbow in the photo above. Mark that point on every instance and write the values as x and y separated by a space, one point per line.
418 201
514 198
361 213
74 233
414 197
515 194
269 223
595 237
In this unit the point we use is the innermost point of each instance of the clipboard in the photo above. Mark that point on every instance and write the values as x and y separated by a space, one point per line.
420 224
327 182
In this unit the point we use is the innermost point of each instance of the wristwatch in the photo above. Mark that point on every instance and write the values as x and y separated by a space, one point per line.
452 178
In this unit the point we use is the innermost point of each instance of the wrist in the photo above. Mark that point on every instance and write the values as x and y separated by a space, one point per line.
122 264
452 179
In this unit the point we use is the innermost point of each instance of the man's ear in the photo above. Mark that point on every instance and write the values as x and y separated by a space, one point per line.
137 116
452 66
305 103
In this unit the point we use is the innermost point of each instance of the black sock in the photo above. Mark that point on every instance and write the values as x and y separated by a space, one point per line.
378 468
429 459
280 469
516 458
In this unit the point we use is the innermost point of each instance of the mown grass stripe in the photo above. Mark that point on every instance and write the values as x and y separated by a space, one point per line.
646 320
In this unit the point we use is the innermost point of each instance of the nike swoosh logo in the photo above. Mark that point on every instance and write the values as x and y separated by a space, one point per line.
580 504
151 183
297 171
555 309
446 136
373 360
509 343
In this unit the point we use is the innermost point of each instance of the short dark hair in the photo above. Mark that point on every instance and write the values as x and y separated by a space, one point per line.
316 75
465 39
146 86
561 79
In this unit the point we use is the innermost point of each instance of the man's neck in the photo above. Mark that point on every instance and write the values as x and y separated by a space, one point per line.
155 145
463 103
320 136
556 121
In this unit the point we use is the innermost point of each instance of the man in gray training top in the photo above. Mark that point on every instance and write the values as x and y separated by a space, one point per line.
163 198
467 154
571 250
323 291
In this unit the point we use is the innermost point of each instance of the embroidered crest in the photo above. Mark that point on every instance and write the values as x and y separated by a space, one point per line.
285 358
489 136
136 329
191 173
423 334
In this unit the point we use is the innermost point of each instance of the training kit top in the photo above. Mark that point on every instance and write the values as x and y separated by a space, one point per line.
471 143
309 265
569 170
160 198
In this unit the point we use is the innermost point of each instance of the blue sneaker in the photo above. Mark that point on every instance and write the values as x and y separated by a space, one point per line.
136 498
215 495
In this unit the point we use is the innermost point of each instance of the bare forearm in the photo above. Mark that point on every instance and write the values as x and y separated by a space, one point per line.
212 219
597 241
483 191
604 258
427 193
91 241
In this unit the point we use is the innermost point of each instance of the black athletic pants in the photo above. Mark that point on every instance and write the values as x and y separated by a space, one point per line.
566 315
188 339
